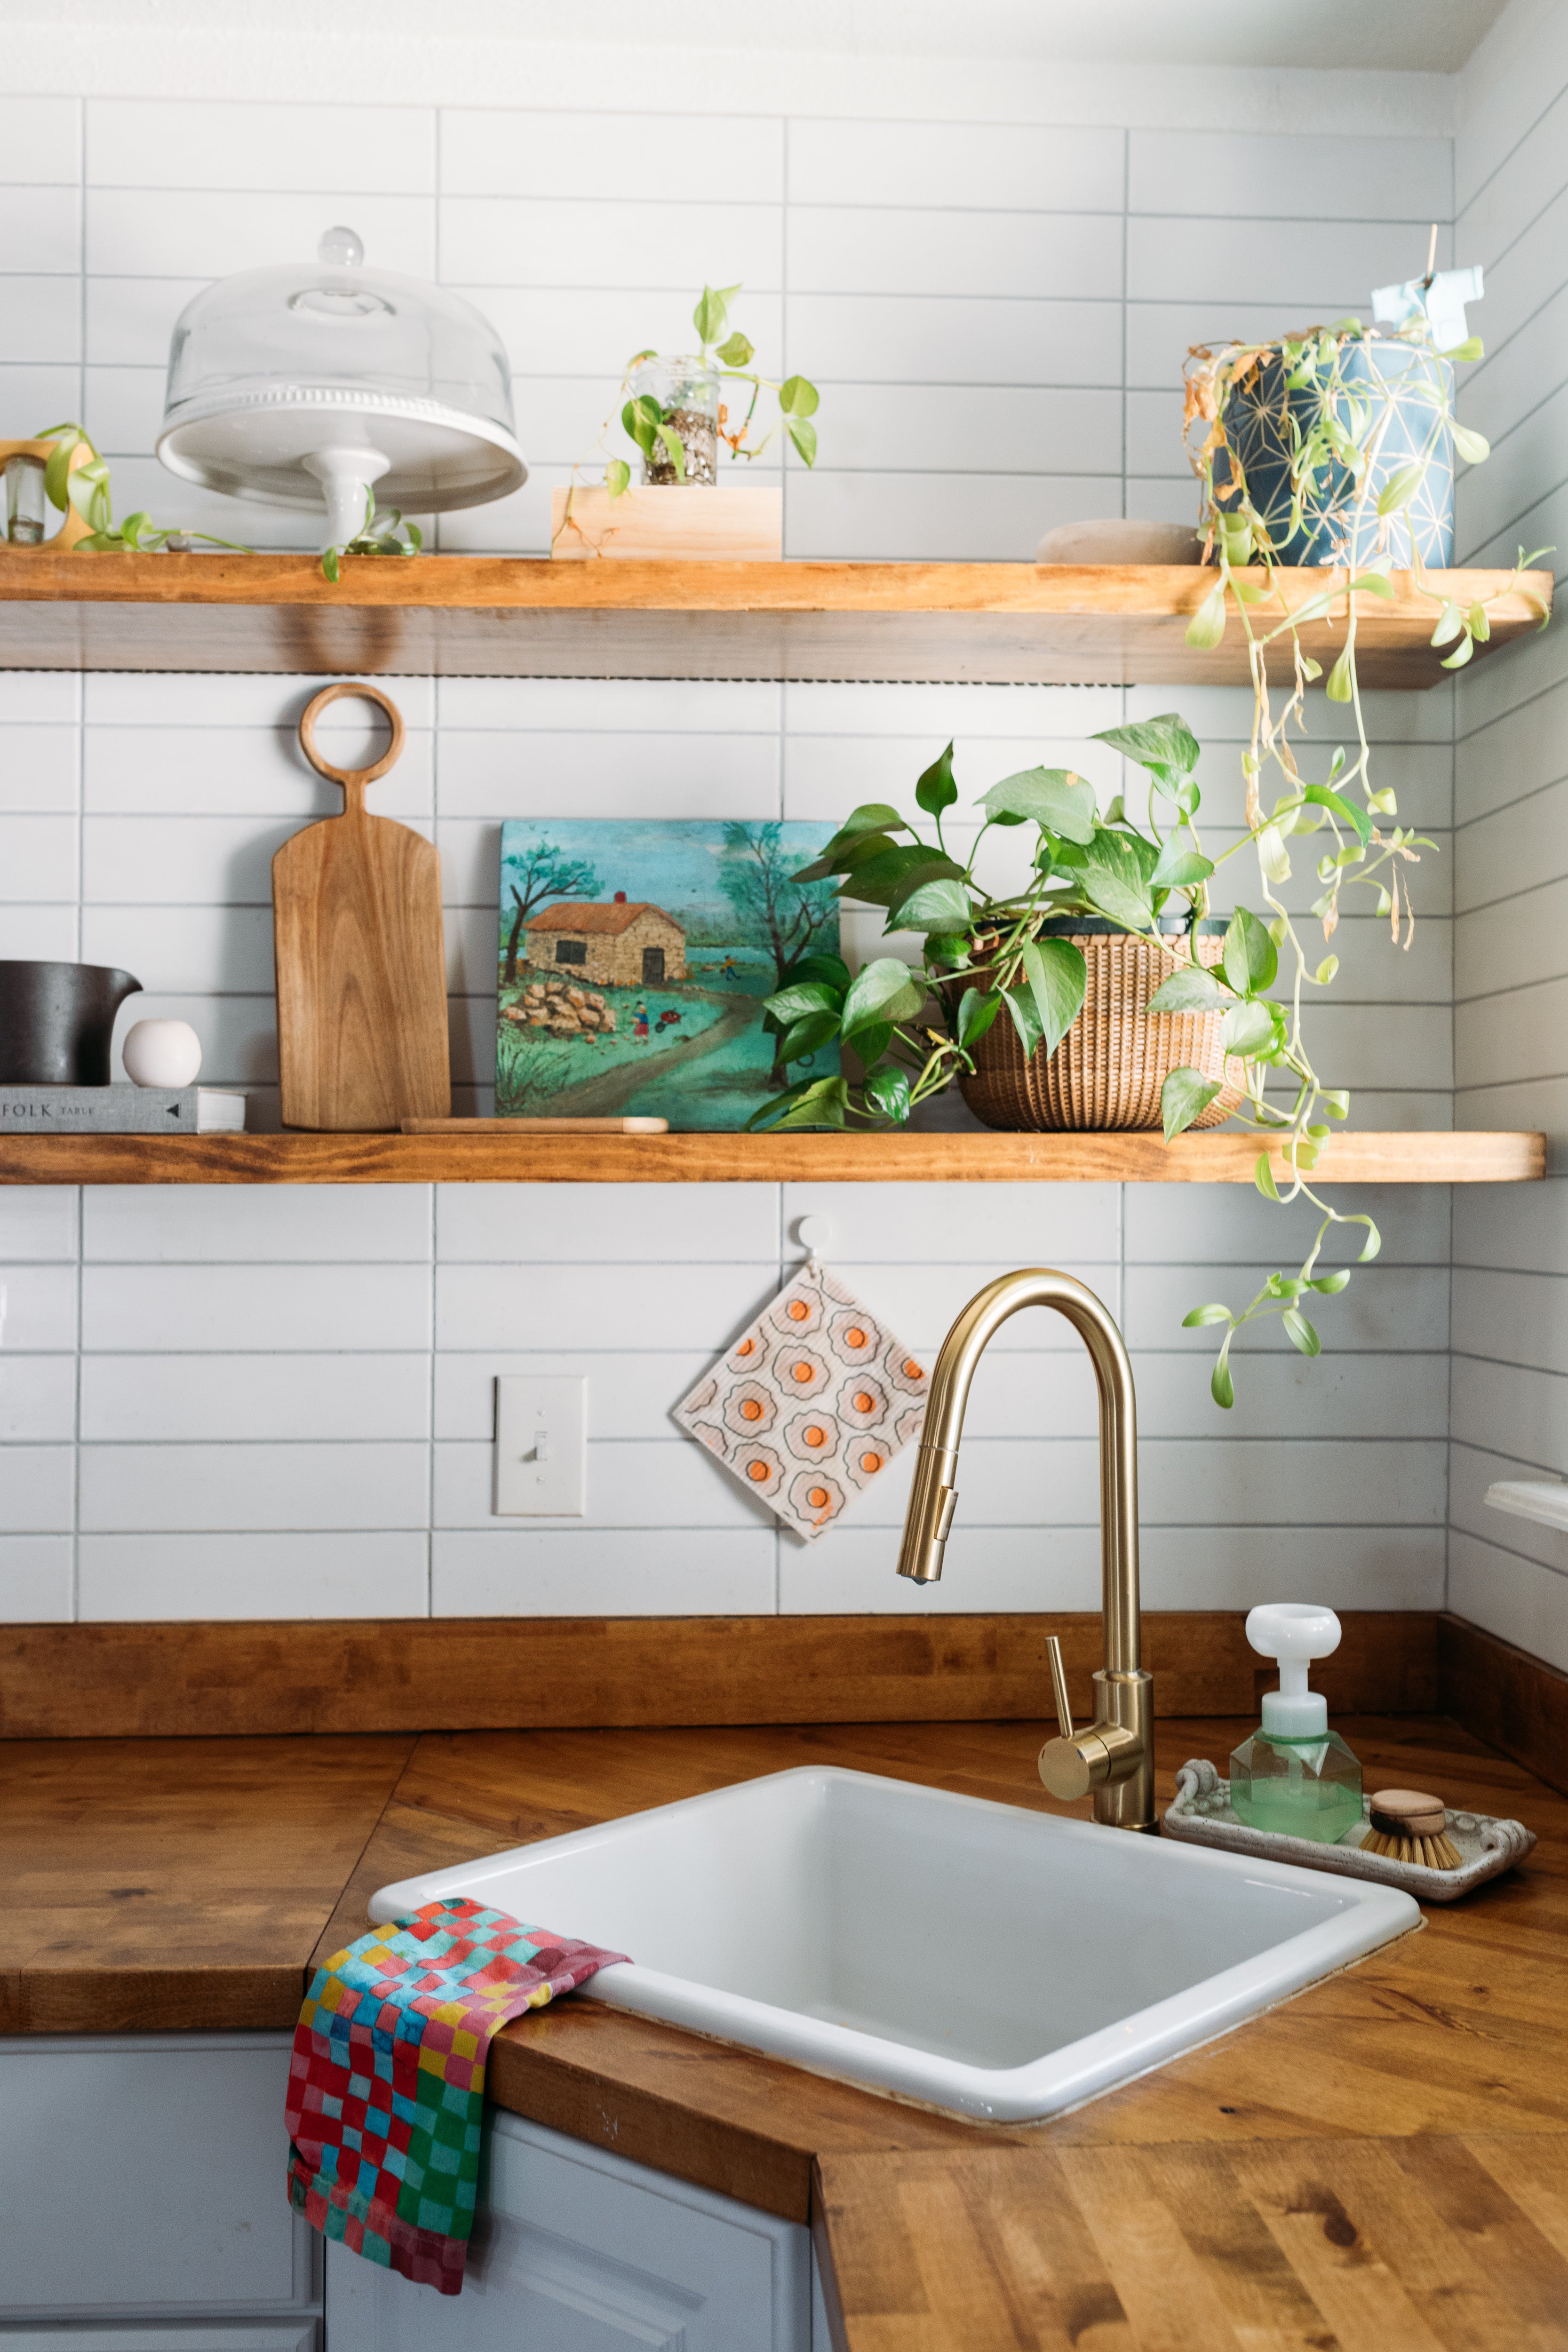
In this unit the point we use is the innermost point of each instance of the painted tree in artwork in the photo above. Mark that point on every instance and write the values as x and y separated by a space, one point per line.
755 875
542 873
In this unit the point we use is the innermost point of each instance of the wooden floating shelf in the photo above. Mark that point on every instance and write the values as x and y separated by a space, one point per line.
1467 1158
500 617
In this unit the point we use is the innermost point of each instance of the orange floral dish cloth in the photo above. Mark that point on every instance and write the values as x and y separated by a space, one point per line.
811 1403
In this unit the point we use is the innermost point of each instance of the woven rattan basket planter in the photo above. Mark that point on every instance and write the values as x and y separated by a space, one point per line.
1107 1071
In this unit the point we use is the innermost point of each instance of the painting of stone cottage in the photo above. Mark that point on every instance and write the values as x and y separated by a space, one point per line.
633 958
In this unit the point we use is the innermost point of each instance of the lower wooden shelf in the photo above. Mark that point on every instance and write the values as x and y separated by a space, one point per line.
1465 1158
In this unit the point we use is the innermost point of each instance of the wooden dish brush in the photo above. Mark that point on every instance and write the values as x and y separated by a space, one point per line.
1411 1827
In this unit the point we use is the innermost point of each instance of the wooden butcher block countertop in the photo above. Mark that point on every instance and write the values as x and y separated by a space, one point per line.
1379 2165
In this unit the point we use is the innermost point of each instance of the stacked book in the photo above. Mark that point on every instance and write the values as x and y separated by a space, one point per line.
120 1110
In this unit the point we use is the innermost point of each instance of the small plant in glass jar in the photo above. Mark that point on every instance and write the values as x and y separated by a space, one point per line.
676 412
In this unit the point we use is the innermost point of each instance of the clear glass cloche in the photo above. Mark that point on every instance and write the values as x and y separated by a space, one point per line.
303 385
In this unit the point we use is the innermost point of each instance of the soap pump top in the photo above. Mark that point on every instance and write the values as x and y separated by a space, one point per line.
1294 1632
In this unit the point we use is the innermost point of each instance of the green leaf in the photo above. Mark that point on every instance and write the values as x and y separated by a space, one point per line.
875 879
1222 1388
1025 1019
871 816
1113 879
1331 1283
1326 971
640 421
1165 746
618 477
888 1089
804 1036
815 1102
1263 1177
1400 488
1373 1241
1374 584
946 947
977 1008
1451 621
1201 1316
803 435
933 906
736 351
830 967
1336 1102
1480 623
1056 975
1056 798
1247 1028
1324 796
1473 447
1183 1095
330 564
674 449
1206 626
883 991
871 1045
1300 1332
798 396
713 311
1472 348
1191 990
1179 864
1461 653
936 790
1340 678
1252 958
799 998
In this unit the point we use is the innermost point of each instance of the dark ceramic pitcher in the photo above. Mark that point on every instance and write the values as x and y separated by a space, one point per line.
56 1021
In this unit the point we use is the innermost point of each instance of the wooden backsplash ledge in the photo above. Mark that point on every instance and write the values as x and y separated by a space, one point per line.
213 1678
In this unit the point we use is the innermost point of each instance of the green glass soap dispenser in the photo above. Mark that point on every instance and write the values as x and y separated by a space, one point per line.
1294 1775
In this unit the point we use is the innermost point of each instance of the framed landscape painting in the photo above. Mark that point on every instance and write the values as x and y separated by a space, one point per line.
634 957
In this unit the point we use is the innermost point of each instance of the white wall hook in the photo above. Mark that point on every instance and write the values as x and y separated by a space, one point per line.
814 1233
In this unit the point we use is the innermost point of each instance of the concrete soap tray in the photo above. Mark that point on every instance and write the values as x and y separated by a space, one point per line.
1202 1816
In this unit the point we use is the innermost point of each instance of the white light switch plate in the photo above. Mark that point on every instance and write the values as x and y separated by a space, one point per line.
542 1447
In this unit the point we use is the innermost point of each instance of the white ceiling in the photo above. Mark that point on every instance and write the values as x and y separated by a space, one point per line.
1404 36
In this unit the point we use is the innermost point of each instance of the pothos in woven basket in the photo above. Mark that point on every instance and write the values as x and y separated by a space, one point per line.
988 956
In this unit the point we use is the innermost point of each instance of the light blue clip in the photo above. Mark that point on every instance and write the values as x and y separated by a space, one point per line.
1443 302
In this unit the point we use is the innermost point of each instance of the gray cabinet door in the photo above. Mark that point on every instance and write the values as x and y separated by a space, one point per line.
578 2250
147 2176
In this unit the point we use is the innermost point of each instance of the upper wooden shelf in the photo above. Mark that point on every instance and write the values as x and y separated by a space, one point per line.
500 617
1469 1158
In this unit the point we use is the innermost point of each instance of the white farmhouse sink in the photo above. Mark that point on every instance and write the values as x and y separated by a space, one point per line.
1004 1963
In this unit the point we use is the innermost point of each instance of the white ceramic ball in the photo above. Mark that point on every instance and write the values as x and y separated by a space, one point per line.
161 1053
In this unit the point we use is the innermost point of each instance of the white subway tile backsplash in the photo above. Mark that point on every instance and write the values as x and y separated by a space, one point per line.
579 152
321 150
168 1399
204 1309
1038 257
593 1572
167 232
247 1574
39 1222
158 1488
39 1307
38 1400
286 1394
542 241
35 1582
560 1224
39 1485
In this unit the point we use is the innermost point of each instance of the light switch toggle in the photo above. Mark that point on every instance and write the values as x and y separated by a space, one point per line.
542 1447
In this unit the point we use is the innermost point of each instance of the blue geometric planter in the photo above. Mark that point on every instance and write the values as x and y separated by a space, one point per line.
1406 381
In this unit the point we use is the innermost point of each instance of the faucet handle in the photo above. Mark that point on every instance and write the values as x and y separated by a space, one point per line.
1060 1686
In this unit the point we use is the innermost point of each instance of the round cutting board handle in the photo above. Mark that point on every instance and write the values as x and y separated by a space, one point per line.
353 779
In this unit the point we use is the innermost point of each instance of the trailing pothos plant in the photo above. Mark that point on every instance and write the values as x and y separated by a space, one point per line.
88 491
987 956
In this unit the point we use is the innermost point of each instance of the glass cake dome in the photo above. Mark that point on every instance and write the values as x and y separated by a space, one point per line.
298 386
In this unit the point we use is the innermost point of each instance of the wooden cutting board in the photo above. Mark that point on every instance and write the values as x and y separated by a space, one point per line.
361 983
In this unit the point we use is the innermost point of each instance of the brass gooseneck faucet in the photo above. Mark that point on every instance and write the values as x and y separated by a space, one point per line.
1114 1755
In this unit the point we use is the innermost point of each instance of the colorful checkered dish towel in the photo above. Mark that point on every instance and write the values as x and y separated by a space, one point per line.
386 2085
